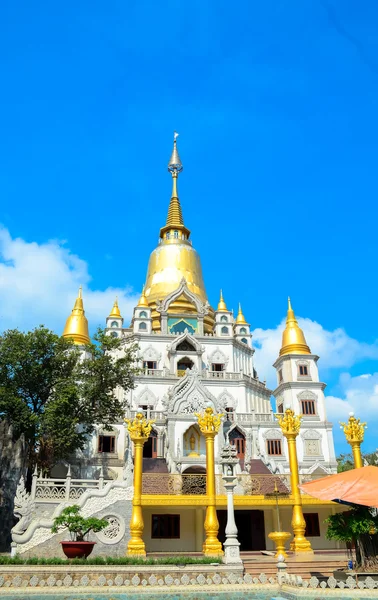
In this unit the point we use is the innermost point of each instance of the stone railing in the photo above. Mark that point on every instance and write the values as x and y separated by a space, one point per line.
157 415
176 484
248 418
247 485
57 490
224 375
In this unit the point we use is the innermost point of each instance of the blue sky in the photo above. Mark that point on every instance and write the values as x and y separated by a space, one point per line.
276 106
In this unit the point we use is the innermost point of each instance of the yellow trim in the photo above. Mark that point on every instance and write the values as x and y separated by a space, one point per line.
246 501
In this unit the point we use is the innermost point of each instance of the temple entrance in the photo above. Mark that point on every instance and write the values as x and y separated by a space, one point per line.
150 447
251 528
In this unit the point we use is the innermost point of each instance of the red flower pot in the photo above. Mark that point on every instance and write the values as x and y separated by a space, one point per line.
77 549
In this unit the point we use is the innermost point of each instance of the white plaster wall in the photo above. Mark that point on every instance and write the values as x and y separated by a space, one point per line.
187 541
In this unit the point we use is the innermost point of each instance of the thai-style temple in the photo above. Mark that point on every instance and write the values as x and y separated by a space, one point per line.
193 355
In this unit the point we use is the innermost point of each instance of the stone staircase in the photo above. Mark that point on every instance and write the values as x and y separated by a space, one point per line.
321 565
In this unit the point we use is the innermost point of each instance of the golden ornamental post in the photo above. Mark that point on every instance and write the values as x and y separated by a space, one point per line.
354 432
139 431
290 425
209 424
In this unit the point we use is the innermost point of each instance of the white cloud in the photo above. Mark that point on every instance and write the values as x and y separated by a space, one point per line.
336 349
358 394
39 284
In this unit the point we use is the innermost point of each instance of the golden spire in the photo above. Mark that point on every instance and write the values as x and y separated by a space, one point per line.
77 323
222 305
143 299
175 219
293 339
240 319
115 312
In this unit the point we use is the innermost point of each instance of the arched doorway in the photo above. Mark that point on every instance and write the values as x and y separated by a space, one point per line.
183 364
237 439
194 481
150 447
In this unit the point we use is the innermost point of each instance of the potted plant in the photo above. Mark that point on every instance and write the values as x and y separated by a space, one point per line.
79 527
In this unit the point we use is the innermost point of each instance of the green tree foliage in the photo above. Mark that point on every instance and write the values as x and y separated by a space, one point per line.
357 528
77 525
54 395
345 462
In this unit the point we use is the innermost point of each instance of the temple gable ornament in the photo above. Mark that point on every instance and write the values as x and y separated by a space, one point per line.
189 395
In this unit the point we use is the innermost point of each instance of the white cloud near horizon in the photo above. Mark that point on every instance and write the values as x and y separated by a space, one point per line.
359 395
39 284
336 349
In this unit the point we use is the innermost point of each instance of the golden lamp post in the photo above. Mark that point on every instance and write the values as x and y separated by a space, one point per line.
209 424
354 432
139 431
290 425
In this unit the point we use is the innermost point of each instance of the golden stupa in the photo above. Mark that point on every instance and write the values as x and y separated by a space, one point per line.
175 259
77 323
293 339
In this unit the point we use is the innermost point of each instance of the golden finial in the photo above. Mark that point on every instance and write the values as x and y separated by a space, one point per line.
140 428
293 339
209 422
115 312
240 319
354 430
289 422
175 219
76 327
143 299
222 305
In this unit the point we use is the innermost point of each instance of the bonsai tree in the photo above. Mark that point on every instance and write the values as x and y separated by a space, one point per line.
77 525
358 529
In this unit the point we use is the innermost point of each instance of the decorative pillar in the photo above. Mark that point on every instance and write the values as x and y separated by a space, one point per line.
354 432
290 425
209 425
231 545
139 431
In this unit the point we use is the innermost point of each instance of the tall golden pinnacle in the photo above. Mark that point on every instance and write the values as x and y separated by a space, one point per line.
293 339
222 305
139 430
240 319
143 300
175 219
354 432
290 425
115 312
209 424
76 327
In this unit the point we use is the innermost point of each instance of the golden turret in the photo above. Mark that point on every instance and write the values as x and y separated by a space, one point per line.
77 323
115 312
293 339
175 259
240 319
222 305
143 299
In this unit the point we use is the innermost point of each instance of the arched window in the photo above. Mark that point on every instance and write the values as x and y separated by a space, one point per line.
244 341
143 314
142 326
114 324
224 331
114 334
224 319
237 439
242 330
167 236
175 234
